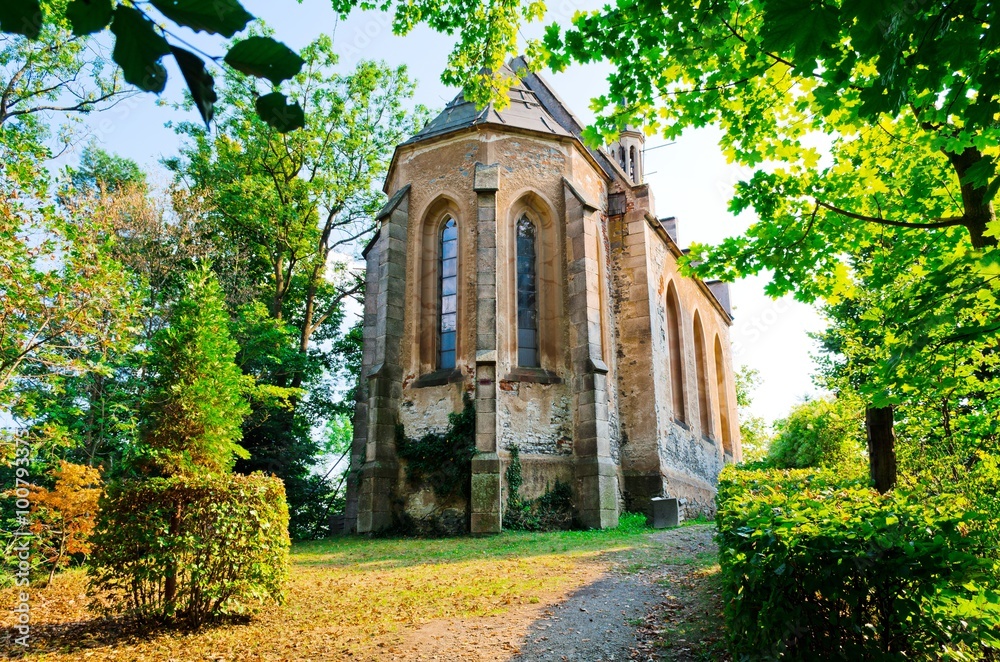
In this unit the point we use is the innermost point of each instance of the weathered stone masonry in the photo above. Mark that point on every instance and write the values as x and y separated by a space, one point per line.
574 333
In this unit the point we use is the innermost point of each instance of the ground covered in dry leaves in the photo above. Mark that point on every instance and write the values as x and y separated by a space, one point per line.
621 595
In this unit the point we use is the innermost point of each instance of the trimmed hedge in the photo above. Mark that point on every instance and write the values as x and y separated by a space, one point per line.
189 548
818 567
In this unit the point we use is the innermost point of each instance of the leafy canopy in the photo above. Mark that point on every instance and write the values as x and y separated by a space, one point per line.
904 95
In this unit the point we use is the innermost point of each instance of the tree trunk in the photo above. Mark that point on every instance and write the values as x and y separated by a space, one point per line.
881 447
170 585
978 213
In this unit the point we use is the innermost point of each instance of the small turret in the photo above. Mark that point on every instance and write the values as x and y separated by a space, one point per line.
627 151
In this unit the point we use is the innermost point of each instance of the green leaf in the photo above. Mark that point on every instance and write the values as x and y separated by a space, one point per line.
802 28
225 17
89 16
980 172
21 17
264 57
991 190
199 82
139 49
276 111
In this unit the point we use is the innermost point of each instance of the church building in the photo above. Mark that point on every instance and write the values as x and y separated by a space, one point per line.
517 268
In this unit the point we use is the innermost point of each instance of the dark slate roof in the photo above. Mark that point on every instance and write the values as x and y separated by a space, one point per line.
525 111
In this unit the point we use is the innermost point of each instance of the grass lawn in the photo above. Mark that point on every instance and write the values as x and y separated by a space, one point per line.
344 597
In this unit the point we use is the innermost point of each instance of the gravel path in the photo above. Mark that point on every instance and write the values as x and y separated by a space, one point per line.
646 596
597 622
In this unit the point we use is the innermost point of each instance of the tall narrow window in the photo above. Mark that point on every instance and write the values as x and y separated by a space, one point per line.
527 296
631 164
702 371
448 294
676 359
720 378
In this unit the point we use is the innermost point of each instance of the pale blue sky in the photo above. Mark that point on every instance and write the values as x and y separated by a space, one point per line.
690 179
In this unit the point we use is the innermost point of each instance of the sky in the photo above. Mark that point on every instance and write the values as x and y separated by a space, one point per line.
690 179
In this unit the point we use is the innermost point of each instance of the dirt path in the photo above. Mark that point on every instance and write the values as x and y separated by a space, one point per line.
657 601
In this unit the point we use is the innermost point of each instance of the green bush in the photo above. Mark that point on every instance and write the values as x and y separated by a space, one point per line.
190 548
818 567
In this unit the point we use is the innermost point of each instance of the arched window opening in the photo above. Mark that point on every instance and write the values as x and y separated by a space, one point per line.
527 295
701 368
621 157
448 295
631 164
676 358
720 378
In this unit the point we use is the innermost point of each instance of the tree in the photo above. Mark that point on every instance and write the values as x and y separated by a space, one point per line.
908 109
303 199
825 432
64 302
92 415
895 335
64 517
56 75
754 433
142 39
287 214
194 406
102 172
62 307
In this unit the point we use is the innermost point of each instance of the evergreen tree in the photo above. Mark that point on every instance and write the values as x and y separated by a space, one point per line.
195 408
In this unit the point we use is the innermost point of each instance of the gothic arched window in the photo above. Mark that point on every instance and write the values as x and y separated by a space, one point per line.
720 377
676 358
701 369
448 294
527 295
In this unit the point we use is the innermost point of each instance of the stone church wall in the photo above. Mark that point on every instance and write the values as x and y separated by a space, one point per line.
598 413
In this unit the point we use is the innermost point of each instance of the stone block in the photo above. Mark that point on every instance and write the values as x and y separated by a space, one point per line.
635 261
634 238
579 246
484 524
487 177
485 463
395 230
665 513
486 291
487 237
486 260
486 422
597 493
397 246
487 279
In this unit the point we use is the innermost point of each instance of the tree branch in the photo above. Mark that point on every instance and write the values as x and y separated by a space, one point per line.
950 221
